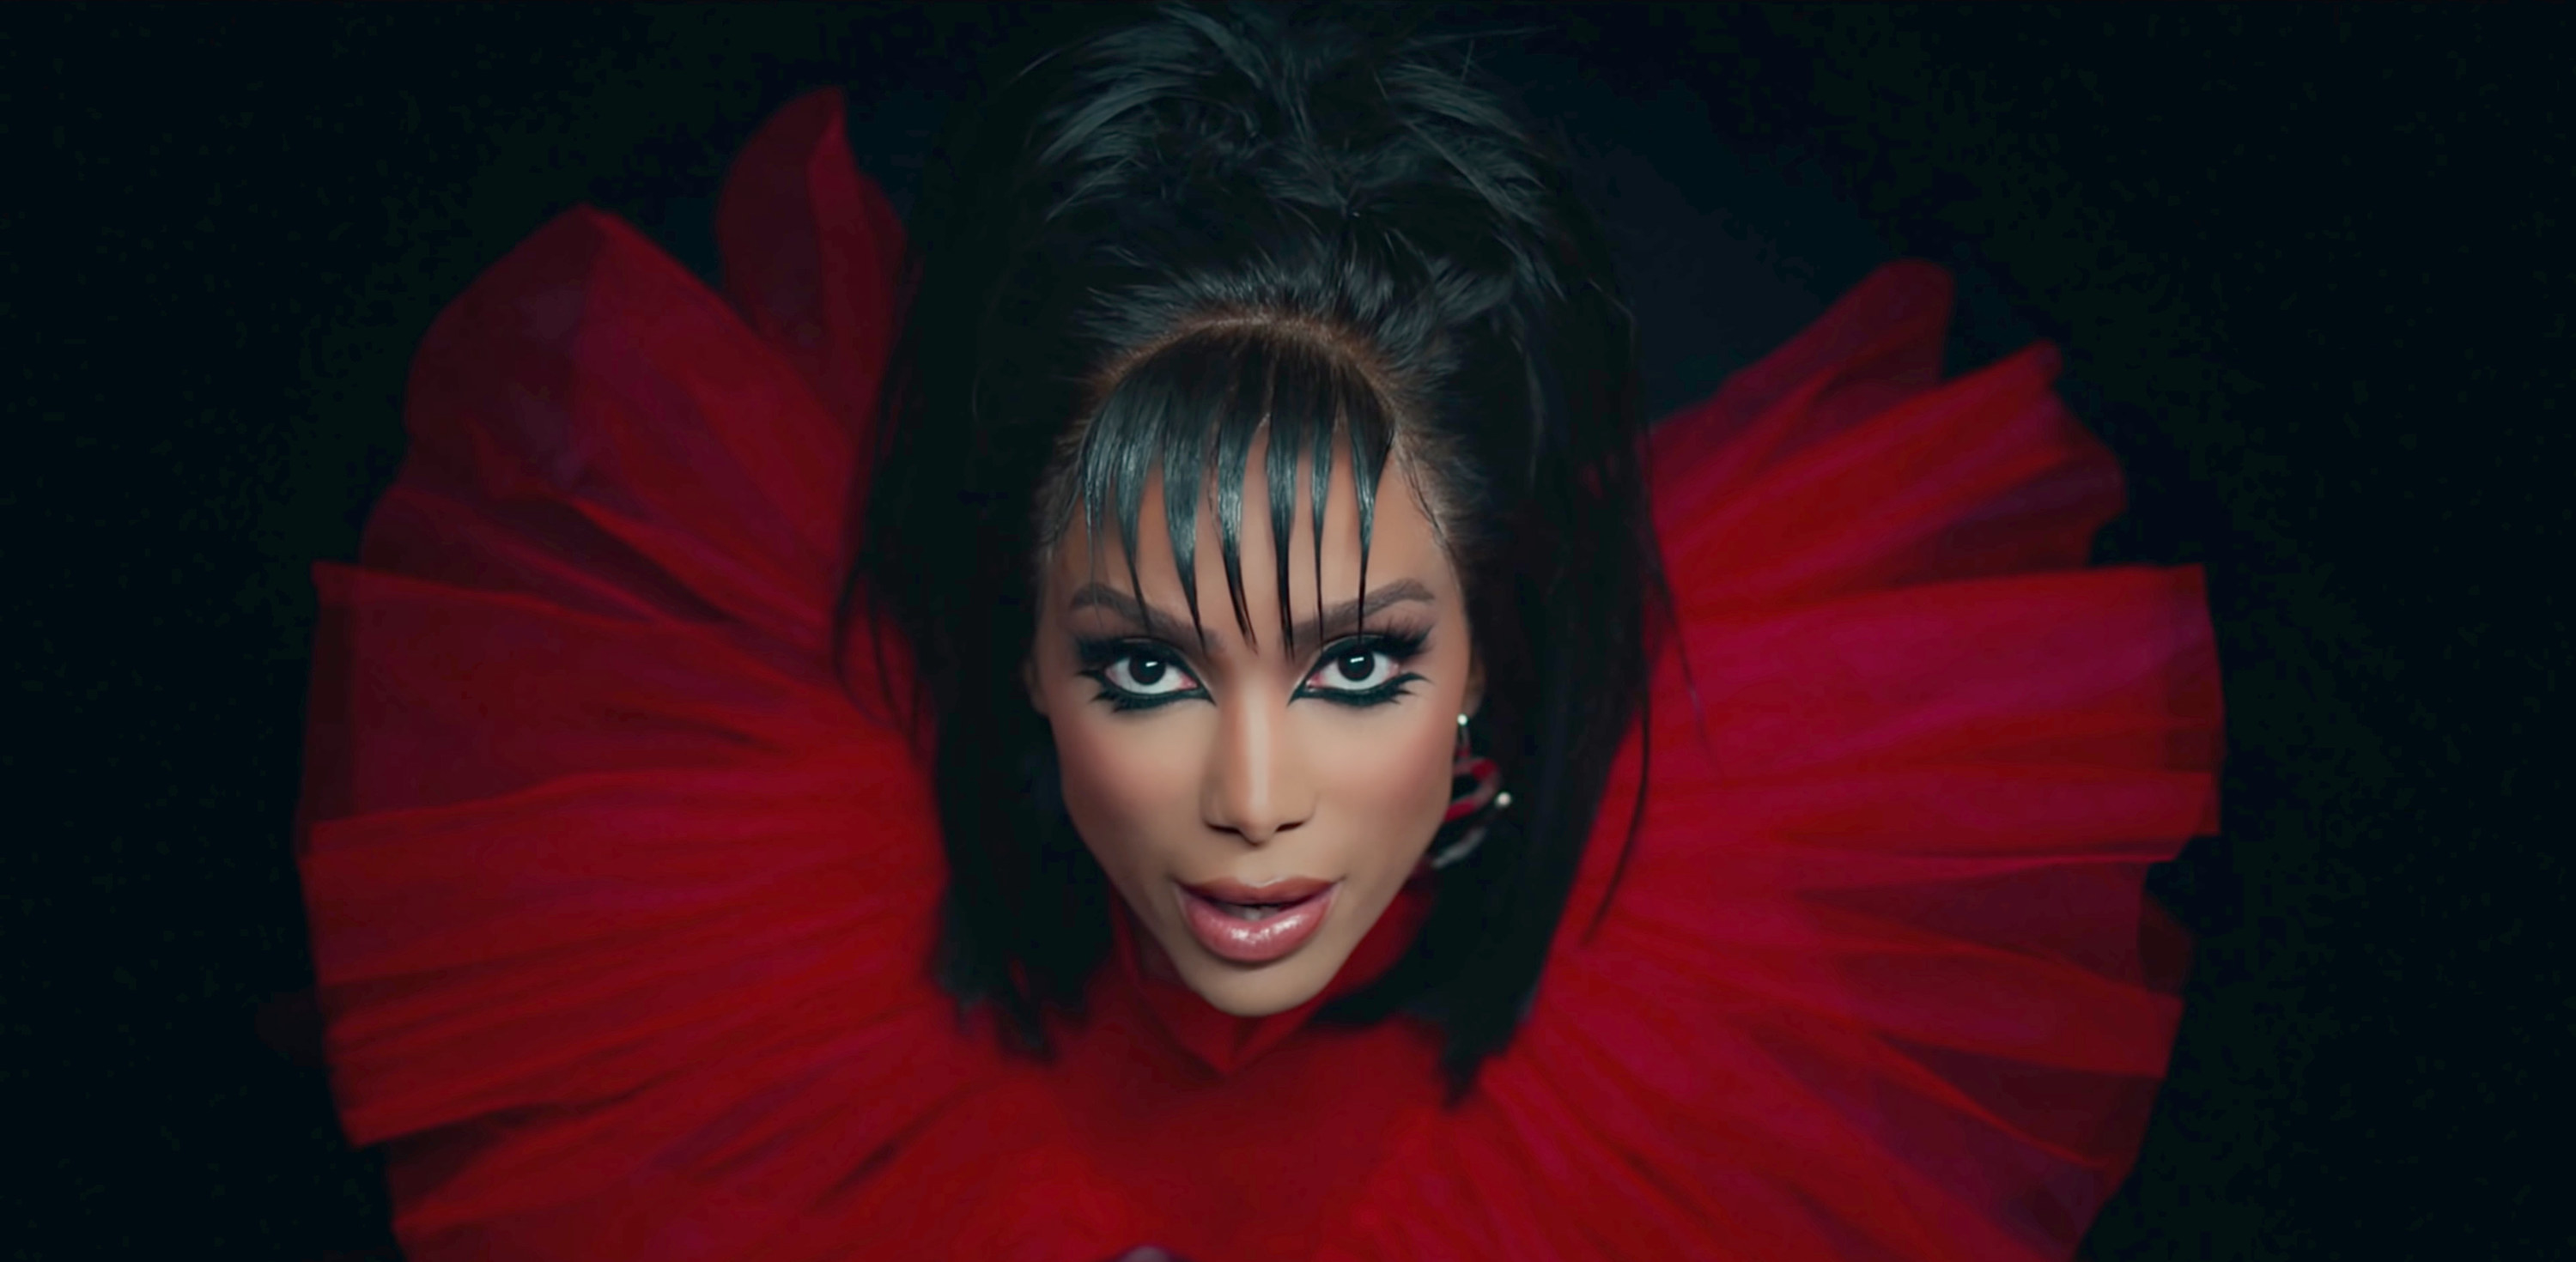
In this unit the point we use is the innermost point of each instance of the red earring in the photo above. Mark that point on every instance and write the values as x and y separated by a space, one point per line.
1486 777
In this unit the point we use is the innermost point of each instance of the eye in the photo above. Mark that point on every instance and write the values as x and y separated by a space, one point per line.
1136 674
1146 674
1356 669
1366 671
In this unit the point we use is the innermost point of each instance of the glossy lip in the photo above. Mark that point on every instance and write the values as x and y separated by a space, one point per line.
1230 937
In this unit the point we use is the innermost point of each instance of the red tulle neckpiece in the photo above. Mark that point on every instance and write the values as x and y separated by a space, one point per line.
621 908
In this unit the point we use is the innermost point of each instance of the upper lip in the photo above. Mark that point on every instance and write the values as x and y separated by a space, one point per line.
1296 890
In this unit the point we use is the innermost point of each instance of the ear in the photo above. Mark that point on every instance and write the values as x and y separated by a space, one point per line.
1474 701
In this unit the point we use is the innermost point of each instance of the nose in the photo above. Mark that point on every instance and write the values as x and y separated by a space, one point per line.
1257 784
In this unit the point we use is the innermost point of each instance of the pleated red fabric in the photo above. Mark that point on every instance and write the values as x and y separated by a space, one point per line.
622 906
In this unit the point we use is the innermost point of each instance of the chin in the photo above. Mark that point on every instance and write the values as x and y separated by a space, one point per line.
1265 991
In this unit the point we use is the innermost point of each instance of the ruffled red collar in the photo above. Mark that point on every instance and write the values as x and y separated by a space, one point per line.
1226 1043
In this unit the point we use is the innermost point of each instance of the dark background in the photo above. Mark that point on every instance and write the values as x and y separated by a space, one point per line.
2305 262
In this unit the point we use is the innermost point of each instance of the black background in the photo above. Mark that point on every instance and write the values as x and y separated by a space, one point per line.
2305 262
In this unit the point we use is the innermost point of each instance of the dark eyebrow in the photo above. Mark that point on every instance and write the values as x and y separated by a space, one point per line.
1334 620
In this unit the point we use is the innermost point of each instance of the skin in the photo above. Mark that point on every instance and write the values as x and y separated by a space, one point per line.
1256 773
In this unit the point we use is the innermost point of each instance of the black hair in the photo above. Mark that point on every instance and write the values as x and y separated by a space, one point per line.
1143 248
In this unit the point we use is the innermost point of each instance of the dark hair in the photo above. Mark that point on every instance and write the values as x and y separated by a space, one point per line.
1144 247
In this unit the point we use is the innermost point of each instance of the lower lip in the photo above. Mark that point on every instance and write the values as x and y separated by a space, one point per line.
1231 937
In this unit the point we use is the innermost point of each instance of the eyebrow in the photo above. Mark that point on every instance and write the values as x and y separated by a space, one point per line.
1333 618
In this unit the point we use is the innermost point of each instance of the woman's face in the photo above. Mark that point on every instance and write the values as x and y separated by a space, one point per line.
1258 808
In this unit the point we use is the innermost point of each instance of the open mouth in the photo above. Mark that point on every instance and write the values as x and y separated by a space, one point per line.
1255 925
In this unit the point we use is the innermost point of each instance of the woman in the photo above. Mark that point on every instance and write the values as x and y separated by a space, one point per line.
739 826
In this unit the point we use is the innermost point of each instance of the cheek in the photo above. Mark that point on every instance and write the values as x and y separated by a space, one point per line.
1404 778
1122 785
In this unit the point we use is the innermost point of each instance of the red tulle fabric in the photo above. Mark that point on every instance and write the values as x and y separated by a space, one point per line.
621 907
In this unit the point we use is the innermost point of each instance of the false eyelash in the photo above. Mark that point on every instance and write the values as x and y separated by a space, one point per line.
1098 654
1403 646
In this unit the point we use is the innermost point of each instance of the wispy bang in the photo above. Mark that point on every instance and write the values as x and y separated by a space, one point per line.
1190 412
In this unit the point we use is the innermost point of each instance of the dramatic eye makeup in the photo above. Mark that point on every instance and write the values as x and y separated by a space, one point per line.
1361 671
1365 670
1135 674
1143 670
